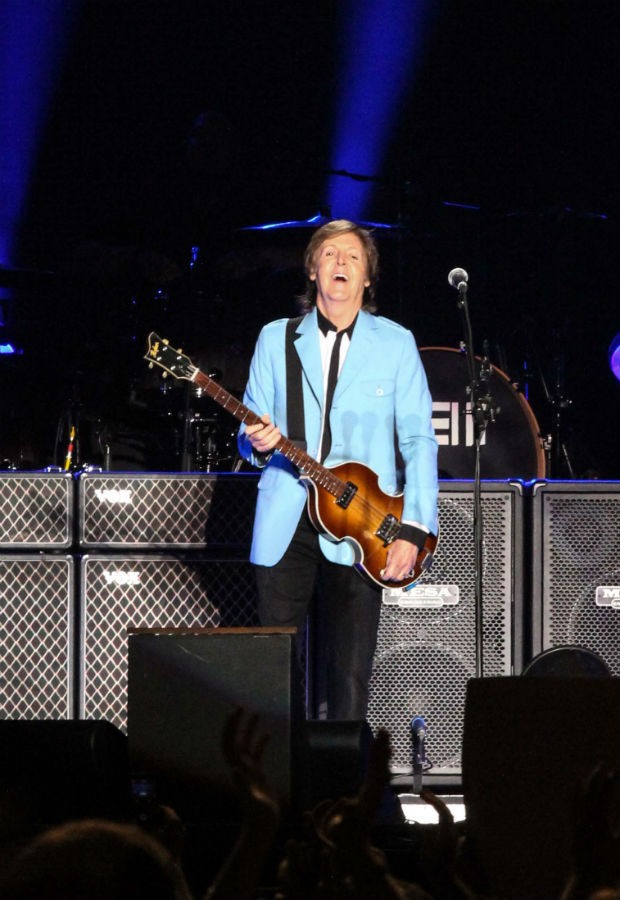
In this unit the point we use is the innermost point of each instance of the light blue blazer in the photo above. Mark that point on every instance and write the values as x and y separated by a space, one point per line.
381 405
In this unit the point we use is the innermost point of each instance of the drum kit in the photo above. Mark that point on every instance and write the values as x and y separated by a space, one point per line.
171 426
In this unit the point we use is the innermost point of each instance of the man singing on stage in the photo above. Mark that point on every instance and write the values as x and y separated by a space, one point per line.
360 394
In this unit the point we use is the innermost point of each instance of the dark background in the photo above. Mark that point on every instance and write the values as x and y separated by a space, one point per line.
176 124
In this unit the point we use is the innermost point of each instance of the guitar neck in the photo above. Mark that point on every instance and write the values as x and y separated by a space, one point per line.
308 466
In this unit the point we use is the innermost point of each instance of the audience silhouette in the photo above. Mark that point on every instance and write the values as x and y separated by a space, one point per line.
331 855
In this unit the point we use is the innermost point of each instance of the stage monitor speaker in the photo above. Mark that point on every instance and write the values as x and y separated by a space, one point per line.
36 636
183 685
529 746
36 511
118 592
166 511
576 568
426 649
61 771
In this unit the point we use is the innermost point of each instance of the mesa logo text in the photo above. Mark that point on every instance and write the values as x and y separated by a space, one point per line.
608 595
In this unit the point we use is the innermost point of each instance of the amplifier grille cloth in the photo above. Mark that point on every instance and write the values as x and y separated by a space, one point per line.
150 592
36 615
424 657
35 511
581 548
144 512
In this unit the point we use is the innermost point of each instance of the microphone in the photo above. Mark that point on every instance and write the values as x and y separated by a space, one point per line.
418 734
418 739
458 279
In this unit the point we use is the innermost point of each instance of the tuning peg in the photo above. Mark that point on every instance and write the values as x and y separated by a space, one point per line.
165 341
150 365
180 350
164 374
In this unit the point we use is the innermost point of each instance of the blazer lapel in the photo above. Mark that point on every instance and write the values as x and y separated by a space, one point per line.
307 346
359 352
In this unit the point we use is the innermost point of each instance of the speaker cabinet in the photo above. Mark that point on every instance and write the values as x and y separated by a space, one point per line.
183 686
166 511
529 747
426 649
36 511
118 592
36 637
576 568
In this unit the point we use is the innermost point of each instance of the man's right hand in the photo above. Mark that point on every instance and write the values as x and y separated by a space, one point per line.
263 437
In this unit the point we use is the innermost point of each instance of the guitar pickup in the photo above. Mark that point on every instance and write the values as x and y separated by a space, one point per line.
347 495
388 529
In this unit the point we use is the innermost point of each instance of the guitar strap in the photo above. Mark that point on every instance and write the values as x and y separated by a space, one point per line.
294 393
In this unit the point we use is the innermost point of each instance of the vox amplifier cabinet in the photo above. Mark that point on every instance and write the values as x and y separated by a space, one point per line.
426 650
36 636
122 591
36 510
576 568
160 511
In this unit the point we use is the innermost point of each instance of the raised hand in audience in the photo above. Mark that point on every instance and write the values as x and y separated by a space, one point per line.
243 746
596 843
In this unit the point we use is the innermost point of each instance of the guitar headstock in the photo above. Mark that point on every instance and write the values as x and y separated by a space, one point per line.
160 353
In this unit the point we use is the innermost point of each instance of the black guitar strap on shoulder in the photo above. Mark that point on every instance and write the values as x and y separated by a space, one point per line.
294 392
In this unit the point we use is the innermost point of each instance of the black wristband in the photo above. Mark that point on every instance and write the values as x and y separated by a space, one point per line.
413 534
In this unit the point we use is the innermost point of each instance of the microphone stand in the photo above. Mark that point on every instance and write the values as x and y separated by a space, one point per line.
483 412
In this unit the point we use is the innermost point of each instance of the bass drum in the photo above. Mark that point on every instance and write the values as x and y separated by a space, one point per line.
512 446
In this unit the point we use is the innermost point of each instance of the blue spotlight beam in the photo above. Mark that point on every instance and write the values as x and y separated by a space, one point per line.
32 34
382 43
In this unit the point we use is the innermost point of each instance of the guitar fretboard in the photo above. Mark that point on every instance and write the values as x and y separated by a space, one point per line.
308 466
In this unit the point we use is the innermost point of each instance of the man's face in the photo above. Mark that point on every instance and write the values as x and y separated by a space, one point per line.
341 270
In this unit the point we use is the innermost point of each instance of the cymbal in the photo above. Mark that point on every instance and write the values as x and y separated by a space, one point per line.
316 222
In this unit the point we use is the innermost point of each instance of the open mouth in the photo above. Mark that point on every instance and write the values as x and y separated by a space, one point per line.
340 276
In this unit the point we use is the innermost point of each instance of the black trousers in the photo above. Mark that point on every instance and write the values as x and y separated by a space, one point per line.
348 610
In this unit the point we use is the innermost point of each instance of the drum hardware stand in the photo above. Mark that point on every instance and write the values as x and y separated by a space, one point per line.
483 411
559 403
188 415
191 449
556 453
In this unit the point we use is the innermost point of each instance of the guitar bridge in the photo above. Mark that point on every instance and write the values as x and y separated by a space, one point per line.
347 495
388 529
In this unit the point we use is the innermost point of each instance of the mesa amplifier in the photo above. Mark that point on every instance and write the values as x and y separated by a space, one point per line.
118 592
426 648
36 636
160 511
576 568
36 510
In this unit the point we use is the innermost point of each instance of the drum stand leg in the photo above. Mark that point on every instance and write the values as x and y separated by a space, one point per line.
186 453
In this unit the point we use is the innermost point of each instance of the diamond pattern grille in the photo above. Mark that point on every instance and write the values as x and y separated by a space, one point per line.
581 547
150 592
36 616
159 511
35 511
424 657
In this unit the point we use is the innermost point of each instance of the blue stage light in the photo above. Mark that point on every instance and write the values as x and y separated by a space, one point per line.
32 34
381 46
614 356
